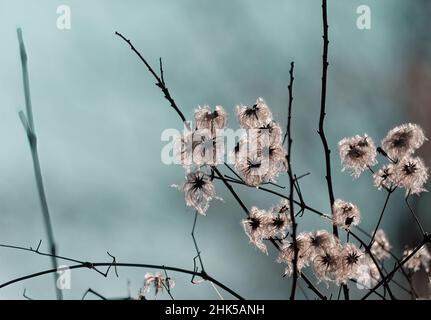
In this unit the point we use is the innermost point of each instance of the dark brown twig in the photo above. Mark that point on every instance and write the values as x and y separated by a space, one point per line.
291 184
426 239
160 80
130 265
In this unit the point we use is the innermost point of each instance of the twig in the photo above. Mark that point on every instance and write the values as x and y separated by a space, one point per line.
89 290
114 263
403 272
399 285
195 243
313 288
160 81
233 171
292 184
27 121
24 294
368 288
426 239
130 265
414 214
87 264
321 130
198 253
381 216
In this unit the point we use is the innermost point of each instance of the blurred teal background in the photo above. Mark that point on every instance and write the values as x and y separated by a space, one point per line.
99 118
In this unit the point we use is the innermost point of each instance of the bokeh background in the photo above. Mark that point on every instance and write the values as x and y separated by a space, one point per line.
99 119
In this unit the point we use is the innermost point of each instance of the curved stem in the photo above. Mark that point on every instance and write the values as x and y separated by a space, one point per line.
130 265
114 263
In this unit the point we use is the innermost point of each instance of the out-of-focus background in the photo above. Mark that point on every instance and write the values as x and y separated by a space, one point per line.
99 119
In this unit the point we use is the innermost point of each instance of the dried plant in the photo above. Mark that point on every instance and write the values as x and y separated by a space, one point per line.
259 158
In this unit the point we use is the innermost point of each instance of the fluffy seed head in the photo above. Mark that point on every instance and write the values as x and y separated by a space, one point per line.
345 214
254 117
357 154
207 119
385 178
320 241
326 264
403 140
411 174
287 253
350 262
198 191
256 227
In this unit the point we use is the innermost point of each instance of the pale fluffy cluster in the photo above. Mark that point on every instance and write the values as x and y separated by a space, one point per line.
381 247
385 177
261 225
404 169
259 156
345 214
205 118
330 260
256 116
200 147
403 140
357 154
198 150
198 191
411 174
157 282
204 145
421 258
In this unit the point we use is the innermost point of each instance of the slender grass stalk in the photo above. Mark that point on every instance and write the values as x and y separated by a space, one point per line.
28 123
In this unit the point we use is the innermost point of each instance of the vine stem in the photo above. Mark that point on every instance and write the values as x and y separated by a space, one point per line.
93 266
130 265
